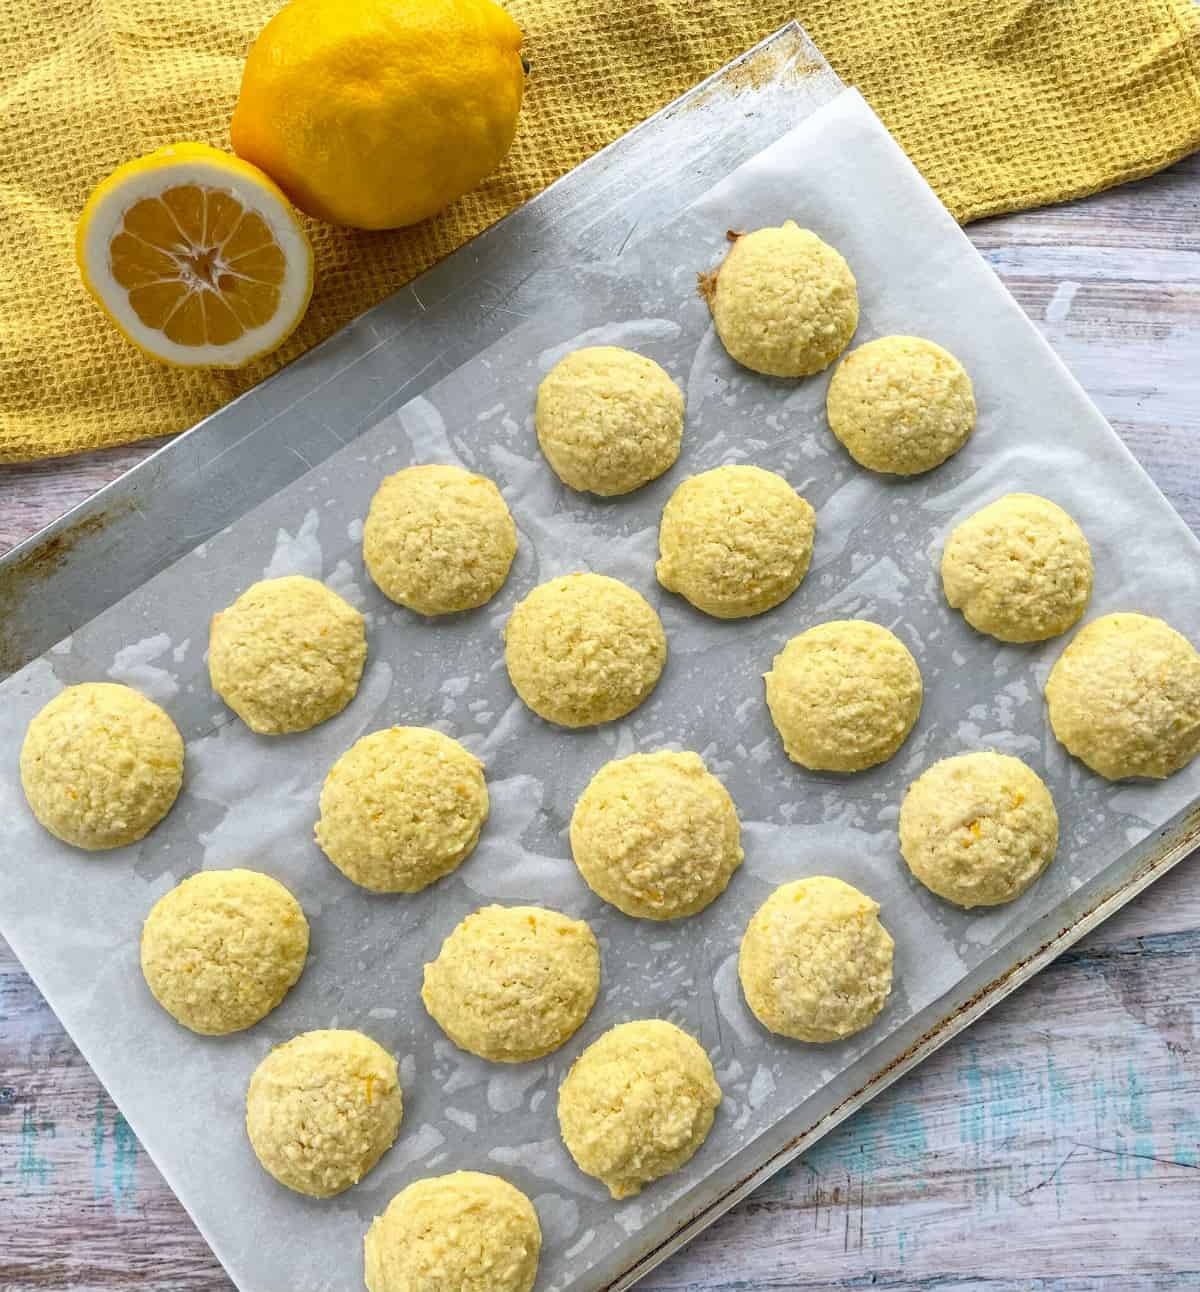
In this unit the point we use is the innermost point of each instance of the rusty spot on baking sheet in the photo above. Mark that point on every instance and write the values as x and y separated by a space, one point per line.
1181 846
23 579
760 67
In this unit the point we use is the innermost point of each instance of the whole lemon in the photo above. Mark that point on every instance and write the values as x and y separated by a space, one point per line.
377 113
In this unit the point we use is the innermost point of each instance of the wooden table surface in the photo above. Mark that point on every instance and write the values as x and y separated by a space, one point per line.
1055 1145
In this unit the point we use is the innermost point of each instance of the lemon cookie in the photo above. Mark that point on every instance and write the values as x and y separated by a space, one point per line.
101 765
656 835
287 654
1124 697
463 1232
512 983
223 948
637 1104
844 695
815 962
322 1109
583 649
401 808
784 302
1019 569
608 420
901 405
978 829
438 539
735 541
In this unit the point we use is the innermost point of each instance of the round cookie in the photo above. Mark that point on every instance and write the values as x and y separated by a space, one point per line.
101 765
438 539
637 1104
815 962
401 808
1124 697
784 302
322 1109
463 1232
512 983
608 420
583 649
901 405
844 695
656 835
287 654
223 948
978 829
735 541
1019 569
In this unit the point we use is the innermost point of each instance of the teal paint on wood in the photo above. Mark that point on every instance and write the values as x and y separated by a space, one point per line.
124 1167
33 1167
98 1180
115 1153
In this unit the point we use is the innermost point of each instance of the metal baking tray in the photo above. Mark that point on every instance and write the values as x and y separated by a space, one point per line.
209 496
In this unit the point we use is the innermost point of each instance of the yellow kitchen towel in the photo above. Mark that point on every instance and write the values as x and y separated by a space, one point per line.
1001 103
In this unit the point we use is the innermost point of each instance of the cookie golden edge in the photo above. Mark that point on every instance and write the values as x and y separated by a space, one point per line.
570 689
511 984
978 829
367 852
619 802
239 634
1106 711
784 985
69 809
573 420
465 1229
185 958
632 1144
828 746
322 1109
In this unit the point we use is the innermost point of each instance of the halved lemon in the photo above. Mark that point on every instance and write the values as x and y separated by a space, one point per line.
196 256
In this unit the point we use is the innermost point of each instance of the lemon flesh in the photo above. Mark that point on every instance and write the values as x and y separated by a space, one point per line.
380 113
196 256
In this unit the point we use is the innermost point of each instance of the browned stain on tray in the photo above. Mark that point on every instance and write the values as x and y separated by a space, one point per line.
23 580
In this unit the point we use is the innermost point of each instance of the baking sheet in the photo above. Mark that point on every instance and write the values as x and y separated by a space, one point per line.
74 919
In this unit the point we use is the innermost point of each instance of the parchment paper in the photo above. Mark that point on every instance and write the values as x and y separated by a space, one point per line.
75 919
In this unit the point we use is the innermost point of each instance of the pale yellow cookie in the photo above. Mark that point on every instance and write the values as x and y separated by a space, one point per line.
844 695
735 541
322 1109
223 948
784 302
438 539
583 649
608 420
1124 697
101 765
637 1104
901 405
287 654
401 808
1019 569
815 962
463 1232
656 835
978 829
512 983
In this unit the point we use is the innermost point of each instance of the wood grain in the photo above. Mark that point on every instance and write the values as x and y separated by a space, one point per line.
1055 1145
